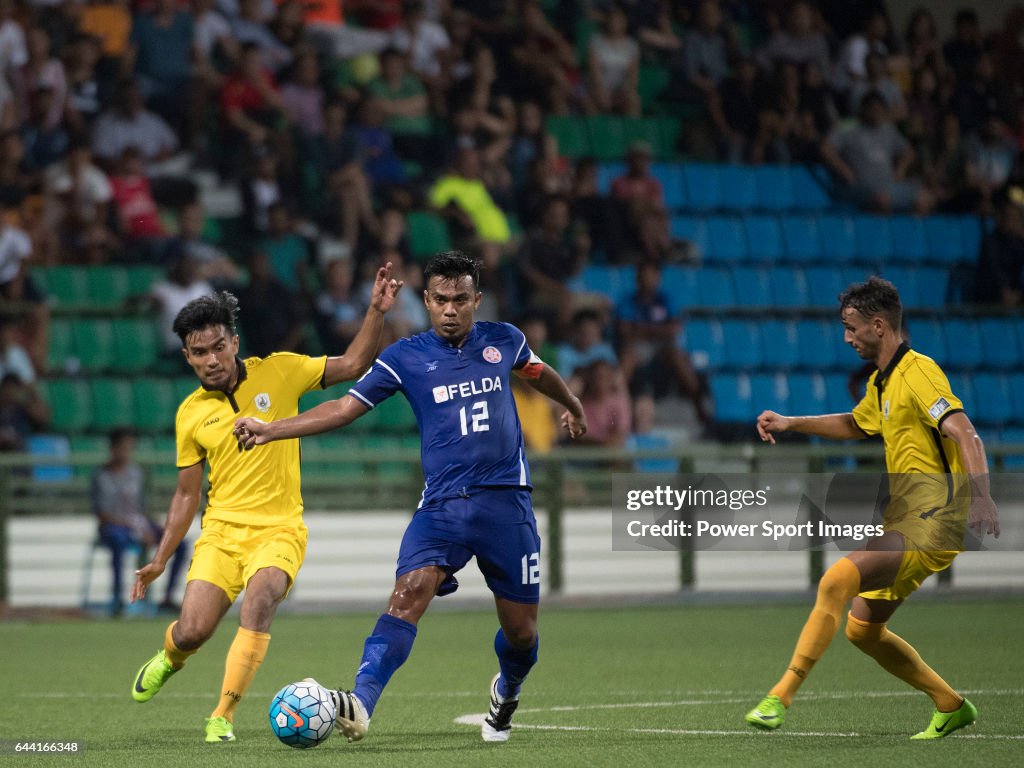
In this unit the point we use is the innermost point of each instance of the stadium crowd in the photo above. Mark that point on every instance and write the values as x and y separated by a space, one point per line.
338 121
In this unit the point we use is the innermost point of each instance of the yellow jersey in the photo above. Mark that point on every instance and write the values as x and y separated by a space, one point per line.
260 486
928 490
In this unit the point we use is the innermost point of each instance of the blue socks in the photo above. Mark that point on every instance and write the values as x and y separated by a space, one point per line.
515 664
384 652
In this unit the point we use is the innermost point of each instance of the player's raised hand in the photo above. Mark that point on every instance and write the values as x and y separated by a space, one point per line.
145 576
983 517
770 422
250 432
385 289
576 426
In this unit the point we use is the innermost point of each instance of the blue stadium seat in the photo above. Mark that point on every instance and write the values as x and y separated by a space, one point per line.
971 233
809 194
801 239
908 239
703 187
681 284
837 391
739 192
781 343
856 273
963 341
874 238
753 286
703 339
741 340
774 188
1000 342
823 285
929 338
607 173
764 237
1015 381
1013 436
789 287
693 229
727 239
945 240
817 344
673 184
770 391
908 282
993 403
733 398
807 393
714 288
933 283
613 282
838 238
962 387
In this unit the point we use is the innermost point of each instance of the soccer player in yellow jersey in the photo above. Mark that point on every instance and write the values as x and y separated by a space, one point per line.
939 484
253 537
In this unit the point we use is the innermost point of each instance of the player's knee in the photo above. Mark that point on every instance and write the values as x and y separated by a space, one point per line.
190 633
412 594
838 584
863 634
521 637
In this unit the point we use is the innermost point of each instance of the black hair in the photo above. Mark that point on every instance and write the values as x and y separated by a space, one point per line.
872 96
875 298
204 312
120 434
966 16
451 265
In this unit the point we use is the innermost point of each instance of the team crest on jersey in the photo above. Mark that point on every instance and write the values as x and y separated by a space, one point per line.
492 355
262 401
885 410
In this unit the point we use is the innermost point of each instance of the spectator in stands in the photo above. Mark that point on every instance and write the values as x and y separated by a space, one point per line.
138 216
289 24
78 195
991 157
537 417
644 199
977 96
530 141
1007 49
851 61
338 311
215 266
737 112
921 39
250 30
704 59
84 88
286 251
614 66
14 51
118 501
650 22
44 143
17 285
250 100
545 64
22 412
401 95
463 199
871 159
946 168
409 315
212 40
42 70
876 78
302 97
586 345
961 51
13 356
272 316
999 277
160 56
647 330
924 109
646 437
425 42
376 145
605 398
801 42
550 257
183 283
263 187
129 124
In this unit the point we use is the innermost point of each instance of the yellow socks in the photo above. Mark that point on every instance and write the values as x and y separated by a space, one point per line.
244 657
837 587
899 658
175 655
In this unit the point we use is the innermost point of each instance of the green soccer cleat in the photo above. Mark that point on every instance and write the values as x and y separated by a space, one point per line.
770 714
151 677
219 729
944 723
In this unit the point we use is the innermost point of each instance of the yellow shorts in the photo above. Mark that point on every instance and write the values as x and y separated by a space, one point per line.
228 554
916 566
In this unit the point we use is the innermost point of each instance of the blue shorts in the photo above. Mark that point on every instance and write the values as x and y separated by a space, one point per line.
494 524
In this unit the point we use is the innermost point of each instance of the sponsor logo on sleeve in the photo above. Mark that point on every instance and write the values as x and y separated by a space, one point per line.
940 407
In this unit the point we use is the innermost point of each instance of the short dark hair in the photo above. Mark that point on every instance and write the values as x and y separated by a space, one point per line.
875 298
204 312
451 265
966 16
121 434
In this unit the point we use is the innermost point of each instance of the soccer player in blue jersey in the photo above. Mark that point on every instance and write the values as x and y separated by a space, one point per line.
476 501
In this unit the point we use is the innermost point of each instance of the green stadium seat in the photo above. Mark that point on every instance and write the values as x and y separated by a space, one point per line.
68 286
166 447
609 136
428 234
70 404
111 403
324 456
94 445
384 446
155 403
108 286
671 130
94 344
135 345
571 134
61 345
141 279
395 415
183 387
652 81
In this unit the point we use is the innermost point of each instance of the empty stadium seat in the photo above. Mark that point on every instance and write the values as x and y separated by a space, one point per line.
774 187
971 232
112 403
141 279
781 343
962 387
838 238
428 234
673 184
704 341
837 391
65 285
155 404
727 240
908 282
764 237
692 229
789 288
608 136
109 286
714 288
571 134
703 187
809 194
609 172
136 343
61 345
929 338
800 238
94 344
908 239
807 393
1015 381
738 187
741 344
753 286
944 236
680 283
614 282
70 404
1000 342
770 391
874 238
817 348
823 285
733 398
993 403
1013 436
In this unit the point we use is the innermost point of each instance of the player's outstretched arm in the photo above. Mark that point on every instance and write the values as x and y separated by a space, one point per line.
551 385
334 414
180 515
834 426
983 517
364 346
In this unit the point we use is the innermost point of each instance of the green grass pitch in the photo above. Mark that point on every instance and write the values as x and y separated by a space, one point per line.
618 687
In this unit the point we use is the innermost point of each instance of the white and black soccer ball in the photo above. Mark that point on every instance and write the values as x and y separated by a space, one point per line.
302 715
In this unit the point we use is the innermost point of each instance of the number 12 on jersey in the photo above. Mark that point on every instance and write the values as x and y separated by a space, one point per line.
531 568
477 418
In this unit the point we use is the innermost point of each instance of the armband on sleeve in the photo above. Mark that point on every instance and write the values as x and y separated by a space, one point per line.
533 369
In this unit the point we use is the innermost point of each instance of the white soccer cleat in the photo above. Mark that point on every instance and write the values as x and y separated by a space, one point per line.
351 718
498 723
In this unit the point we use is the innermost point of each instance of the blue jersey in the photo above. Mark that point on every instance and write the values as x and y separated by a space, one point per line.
462 397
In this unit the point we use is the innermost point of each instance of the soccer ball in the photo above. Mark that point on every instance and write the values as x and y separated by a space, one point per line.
302 714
